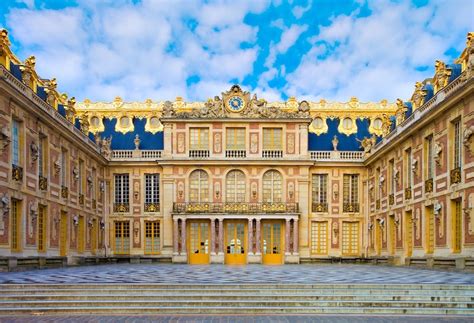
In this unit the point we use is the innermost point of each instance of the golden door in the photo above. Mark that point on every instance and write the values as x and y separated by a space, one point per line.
272 242
198 243
408 234
235 243
63 238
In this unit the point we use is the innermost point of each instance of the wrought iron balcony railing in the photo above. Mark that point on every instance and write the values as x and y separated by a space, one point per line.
407 193
17 173
235 153
64 192
350 207
429 185
199 154
272 154
152 207
455 175
319 207
43 183
241 207
121 207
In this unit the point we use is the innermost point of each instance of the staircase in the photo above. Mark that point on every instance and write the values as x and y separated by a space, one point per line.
418 299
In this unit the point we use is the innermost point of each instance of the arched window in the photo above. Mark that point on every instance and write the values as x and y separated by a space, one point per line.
272 187
235 186
198 187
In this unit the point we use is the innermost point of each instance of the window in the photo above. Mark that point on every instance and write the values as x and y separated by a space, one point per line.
235 186
152 192
122 189
152 237
42 221
272 139
319 237
15 225
350 238
351 193
122 237
199 186
457 144
16 143
64 168
408 170
391 170
429 157
235 139
199 139
320 192
41 156
272 187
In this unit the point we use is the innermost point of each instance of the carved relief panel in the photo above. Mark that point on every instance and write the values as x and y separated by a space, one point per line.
254 143
290 143
217 142
181 145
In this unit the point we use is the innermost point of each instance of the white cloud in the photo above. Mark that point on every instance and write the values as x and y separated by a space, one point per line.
299 11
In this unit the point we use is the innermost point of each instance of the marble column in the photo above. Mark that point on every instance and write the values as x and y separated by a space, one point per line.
221 236
175 236
213 236
296 230
287 237
257 237
250 234
183 237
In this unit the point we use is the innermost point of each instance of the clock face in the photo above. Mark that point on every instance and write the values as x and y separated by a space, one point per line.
235 103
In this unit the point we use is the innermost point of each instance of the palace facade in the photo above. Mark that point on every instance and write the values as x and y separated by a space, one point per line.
236 179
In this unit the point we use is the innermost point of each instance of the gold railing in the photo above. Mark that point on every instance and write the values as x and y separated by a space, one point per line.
121 207
429 185
350 207
239 207
319 207
455 175
152 207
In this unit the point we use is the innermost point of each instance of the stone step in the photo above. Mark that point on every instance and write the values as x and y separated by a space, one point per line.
235 310
234 303
235 296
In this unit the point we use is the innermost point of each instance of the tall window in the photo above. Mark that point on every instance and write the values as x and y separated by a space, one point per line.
320 192
199 139
319 237
16 143
429 157
391 170
152 190
152 237
457 144
457 226
408 170
235 139
235 186
41 156
199 186
272 187
122 189
272 139
64 168
351 191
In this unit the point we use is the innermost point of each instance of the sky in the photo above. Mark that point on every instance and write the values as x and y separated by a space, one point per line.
160 49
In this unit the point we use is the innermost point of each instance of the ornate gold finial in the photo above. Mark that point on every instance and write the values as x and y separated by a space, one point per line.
383 103
467 58
87 103
353 102
85 125
27 70
401 109
418 97
30 62
70 109
441 77
51 92
292 104
118 102
4 40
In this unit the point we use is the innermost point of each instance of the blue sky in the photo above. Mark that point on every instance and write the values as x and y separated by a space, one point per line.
317 49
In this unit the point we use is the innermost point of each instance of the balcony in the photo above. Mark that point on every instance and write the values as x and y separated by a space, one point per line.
235 153
272 154
64 192
17 173
429 185
94 204
199 154
152 207
350 207
235 208
455 175
319 207
407 193
348 156
121 207
42 183
81 199
136 155
391 199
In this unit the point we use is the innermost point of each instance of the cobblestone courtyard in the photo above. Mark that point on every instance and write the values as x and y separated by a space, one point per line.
173 273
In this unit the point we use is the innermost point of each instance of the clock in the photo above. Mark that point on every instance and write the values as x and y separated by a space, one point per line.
235 103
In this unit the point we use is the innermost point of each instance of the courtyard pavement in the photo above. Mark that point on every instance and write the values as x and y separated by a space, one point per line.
193 274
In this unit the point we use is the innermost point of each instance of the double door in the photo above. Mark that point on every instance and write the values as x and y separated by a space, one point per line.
199 242
235 242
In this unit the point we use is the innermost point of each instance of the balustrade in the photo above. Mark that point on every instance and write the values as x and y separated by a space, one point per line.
243 207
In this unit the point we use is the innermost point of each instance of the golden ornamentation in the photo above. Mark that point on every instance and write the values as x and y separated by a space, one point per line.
408 193
441 77
318 126
71 110
429 185
81 199
52 95
467 139
124 124
28 74
320 207
17 173
455 175
153 124
350 207
64 192
121 207
152 207
401 111
85 124
466 59
391 199
376 126
347 126
418 97
42 183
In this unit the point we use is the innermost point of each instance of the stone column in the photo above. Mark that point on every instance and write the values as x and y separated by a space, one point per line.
183 237
175 237
257 237
221 236
287 237
296 230
213 236
250 234
167 134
